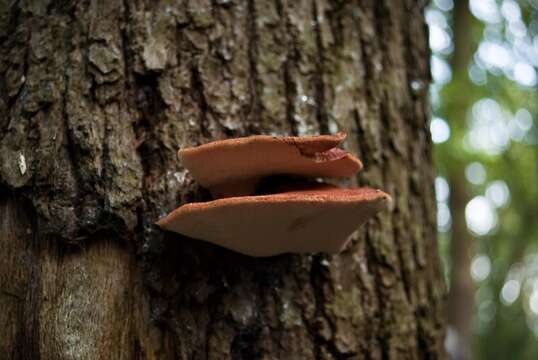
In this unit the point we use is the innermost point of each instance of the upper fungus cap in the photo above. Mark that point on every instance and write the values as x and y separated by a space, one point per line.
235 167
318 219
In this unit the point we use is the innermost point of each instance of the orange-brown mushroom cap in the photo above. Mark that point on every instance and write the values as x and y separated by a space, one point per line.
234 167
315 220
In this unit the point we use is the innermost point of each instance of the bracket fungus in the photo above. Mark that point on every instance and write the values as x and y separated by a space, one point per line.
320 220
306 218
235 167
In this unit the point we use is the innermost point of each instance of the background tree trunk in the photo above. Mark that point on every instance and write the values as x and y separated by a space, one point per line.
460 299
95 99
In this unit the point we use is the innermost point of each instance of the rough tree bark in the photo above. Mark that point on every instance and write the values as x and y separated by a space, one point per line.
95 99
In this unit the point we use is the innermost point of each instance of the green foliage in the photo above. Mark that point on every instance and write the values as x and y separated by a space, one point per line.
491 107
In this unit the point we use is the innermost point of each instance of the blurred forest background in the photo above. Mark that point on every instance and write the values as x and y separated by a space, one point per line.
485 108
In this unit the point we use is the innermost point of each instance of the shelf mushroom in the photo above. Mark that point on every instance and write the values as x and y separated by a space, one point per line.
312 220
309 217
235 167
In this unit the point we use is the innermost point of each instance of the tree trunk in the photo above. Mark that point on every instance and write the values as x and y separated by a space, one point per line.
460 300
95 99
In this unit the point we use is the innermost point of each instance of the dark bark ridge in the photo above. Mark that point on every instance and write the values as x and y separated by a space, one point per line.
95 99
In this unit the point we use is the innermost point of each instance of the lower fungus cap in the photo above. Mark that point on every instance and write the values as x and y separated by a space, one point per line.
319 219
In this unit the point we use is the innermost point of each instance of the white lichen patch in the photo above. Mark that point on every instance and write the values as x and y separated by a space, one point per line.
155 55
21 161
305 110
417 85
333 126
290 315
180 176
158 48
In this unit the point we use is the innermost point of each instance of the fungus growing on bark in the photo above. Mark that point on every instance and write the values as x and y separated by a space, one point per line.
292 216
235 167
316 219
